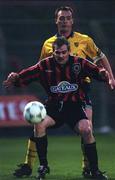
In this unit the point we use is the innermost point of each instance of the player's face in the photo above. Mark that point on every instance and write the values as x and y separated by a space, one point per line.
64 21
61 54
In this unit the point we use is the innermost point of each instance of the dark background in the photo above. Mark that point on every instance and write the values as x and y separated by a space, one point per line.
24 25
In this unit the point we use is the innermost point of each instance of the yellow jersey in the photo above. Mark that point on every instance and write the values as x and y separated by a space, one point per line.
80 45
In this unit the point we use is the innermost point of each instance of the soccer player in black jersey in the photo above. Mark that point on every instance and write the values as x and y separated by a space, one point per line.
61 76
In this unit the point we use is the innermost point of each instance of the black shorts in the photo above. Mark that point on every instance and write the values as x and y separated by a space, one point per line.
87 88
87 101
69 113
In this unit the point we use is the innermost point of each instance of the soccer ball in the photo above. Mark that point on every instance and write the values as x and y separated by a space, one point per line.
34 112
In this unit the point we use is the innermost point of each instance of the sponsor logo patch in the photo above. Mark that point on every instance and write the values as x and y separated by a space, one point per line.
64 87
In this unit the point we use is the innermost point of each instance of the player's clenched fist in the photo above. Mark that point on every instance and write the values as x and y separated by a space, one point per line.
10 79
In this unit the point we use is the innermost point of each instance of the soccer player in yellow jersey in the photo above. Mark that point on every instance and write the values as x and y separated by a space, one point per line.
80 45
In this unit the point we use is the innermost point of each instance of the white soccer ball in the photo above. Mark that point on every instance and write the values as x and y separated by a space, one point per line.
34 112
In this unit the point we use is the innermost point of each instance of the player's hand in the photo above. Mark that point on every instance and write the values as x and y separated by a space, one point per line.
106 76
112 83
11 79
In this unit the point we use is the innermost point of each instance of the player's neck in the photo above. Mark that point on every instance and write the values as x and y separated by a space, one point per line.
66 34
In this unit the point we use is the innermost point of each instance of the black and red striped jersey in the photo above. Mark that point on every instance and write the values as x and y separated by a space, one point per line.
61 82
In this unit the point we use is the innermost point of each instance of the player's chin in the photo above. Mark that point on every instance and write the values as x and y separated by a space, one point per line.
61 61
64 29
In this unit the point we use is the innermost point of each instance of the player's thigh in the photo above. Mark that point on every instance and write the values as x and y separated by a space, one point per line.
75 114
53 110
42 126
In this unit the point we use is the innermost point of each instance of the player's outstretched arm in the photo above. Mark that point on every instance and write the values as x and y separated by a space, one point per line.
11 79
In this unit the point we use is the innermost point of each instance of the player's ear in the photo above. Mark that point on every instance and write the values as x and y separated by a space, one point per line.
55 20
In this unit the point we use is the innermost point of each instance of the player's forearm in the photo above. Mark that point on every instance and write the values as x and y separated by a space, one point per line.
15 80
106 65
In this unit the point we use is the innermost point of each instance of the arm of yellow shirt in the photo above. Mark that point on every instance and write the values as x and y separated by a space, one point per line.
100 59
105 63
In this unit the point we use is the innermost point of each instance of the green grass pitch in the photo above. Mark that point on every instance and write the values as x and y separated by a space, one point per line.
64 156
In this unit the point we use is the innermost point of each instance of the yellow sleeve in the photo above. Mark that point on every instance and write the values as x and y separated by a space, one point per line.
91 50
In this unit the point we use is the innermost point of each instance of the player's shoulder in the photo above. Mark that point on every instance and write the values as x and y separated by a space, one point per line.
50 40
77 58
82 36
46 59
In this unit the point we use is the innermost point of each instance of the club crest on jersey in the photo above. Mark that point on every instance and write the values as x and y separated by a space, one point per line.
76 44
64 87
77 68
